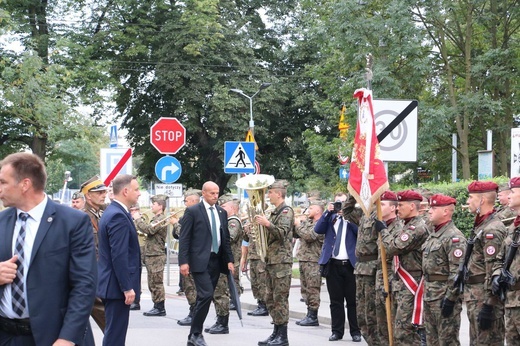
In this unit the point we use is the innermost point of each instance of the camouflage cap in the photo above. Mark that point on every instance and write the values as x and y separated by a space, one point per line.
503 187
158 198
225 198
279 184
317 202
192 192
94 184
77 195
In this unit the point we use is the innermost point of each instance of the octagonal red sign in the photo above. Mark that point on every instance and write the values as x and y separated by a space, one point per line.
168 135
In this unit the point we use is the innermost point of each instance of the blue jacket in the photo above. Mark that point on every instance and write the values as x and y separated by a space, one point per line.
325 225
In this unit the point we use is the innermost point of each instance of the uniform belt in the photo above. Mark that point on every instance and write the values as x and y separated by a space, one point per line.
367 258
339 262
476 279
415 272
15 326
435 277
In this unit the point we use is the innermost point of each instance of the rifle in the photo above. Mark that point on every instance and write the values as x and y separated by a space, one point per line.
506 279
463 273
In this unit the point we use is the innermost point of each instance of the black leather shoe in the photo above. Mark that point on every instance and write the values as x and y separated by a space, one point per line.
356 338
135 306
185 321
335 337
196 340
155 312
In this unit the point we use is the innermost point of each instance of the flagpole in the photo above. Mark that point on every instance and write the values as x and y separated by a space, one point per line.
384 267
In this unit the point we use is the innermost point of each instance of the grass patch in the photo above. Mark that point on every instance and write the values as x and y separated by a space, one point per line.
296 273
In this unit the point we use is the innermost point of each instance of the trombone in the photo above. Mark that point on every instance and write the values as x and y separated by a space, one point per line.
167 219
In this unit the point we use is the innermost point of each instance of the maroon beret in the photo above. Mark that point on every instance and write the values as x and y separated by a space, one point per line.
409 195
514 182
440 200
482 186
388 196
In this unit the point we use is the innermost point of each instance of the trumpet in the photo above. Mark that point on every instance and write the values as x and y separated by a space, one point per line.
167 219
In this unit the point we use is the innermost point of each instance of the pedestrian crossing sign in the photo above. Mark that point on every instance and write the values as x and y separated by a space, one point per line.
239 157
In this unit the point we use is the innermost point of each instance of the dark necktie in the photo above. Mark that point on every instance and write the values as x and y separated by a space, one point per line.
337 244
214 230
17 286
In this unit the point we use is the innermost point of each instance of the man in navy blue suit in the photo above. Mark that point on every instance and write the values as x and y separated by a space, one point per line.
205 252
338 258
47 261
119 261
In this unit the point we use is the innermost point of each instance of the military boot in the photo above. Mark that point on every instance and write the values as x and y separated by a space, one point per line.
270 337
281 337
303 319
158 310
311 319
221 327
187 320
261 310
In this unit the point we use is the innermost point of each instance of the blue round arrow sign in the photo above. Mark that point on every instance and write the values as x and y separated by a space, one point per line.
168 169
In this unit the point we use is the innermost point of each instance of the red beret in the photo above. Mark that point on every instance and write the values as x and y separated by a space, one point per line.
482 186
439 200
514 182
409 195
389 196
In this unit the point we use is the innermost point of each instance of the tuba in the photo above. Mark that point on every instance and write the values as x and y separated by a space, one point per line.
256 185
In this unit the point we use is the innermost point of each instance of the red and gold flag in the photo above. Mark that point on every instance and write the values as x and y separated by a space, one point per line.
367 172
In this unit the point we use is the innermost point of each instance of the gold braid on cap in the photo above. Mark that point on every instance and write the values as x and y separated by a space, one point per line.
93 184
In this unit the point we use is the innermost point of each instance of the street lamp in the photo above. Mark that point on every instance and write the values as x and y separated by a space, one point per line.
240 92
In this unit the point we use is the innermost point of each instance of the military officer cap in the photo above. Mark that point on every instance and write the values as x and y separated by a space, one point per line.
225 198
514 182
482 186
279 185
389 196
408 196
503 187
159 198
94 184
77 195
440 200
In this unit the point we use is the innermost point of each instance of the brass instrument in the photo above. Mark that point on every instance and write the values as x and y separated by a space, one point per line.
167 219
147 215
256 186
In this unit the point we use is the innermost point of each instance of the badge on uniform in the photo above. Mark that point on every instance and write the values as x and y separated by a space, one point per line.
404 237
455 240
490 250
411 227
458 253
489 236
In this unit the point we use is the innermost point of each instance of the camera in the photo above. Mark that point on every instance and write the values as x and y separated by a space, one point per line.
337 207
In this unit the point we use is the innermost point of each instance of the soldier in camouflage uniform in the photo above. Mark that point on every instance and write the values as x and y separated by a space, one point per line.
365 271
154 255
485 311
191 197
512 301
504 212
257 274
389 216
405 245
278 262
308 256
95 192
222 295
443 252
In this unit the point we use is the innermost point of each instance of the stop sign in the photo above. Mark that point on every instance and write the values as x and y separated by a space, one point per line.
168 135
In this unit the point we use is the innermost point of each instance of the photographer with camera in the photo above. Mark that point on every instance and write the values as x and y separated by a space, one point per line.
337 262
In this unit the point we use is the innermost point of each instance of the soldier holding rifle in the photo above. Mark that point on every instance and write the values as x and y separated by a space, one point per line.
485 311
506 271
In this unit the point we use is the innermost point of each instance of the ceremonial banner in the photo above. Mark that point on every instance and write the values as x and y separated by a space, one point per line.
367 172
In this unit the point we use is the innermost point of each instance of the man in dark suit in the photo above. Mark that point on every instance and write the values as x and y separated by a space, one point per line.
339 258
205 252
119 261
47 261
